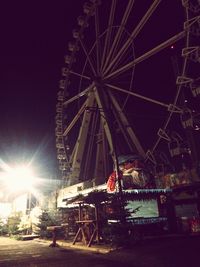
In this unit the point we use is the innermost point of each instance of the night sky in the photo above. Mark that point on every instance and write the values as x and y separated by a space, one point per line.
34 36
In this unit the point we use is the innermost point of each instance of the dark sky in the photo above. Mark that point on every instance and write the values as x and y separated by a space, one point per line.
34 36
33 43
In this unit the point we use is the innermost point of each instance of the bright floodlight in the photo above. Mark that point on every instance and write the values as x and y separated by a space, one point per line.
19 179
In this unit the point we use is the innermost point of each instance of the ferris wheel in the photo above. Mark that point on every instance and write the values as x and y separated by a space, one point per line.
129 69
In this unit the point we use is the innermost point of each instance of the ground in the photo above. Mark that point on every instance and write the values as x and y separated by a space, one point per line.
163 252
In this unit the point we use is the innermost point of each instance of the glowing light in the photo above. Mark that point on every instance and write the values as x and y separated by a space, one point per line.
172 46
19 179
1 194
20 203
5 210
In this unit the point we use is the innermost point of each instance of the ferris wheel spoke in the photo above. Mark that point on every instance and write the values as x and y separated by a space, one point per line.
131 138
147 55
97 38
80 75
75 119
119 33
84 92
133 35
88 58
108 34
138 95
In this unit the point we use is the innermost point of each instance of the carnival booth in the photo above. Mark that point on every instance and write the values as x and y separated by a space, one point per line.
142 206
185 198
147 206
103 216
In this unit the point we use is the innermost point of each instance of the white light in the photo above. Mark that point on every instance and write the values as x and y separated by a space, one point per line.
19 179
5 210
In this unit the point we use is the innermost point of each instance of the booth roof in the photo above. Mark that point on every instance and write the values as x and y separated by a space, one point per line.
96 197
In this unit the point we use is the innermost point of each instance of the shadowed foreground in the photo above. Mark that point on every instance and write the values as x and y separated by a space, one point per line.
164 252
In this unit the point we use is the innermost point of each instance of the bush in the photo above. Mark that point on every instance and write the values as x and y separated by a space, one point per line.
116 234
3 228
123 235
45 219
13 224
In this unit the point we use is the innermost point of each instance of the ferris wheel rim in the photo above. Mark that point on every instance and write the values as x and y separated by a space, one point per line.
179 87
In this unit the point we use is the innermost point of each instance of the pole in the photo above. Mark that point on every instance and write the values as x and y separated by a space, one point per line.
104 105
120 190
117 170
